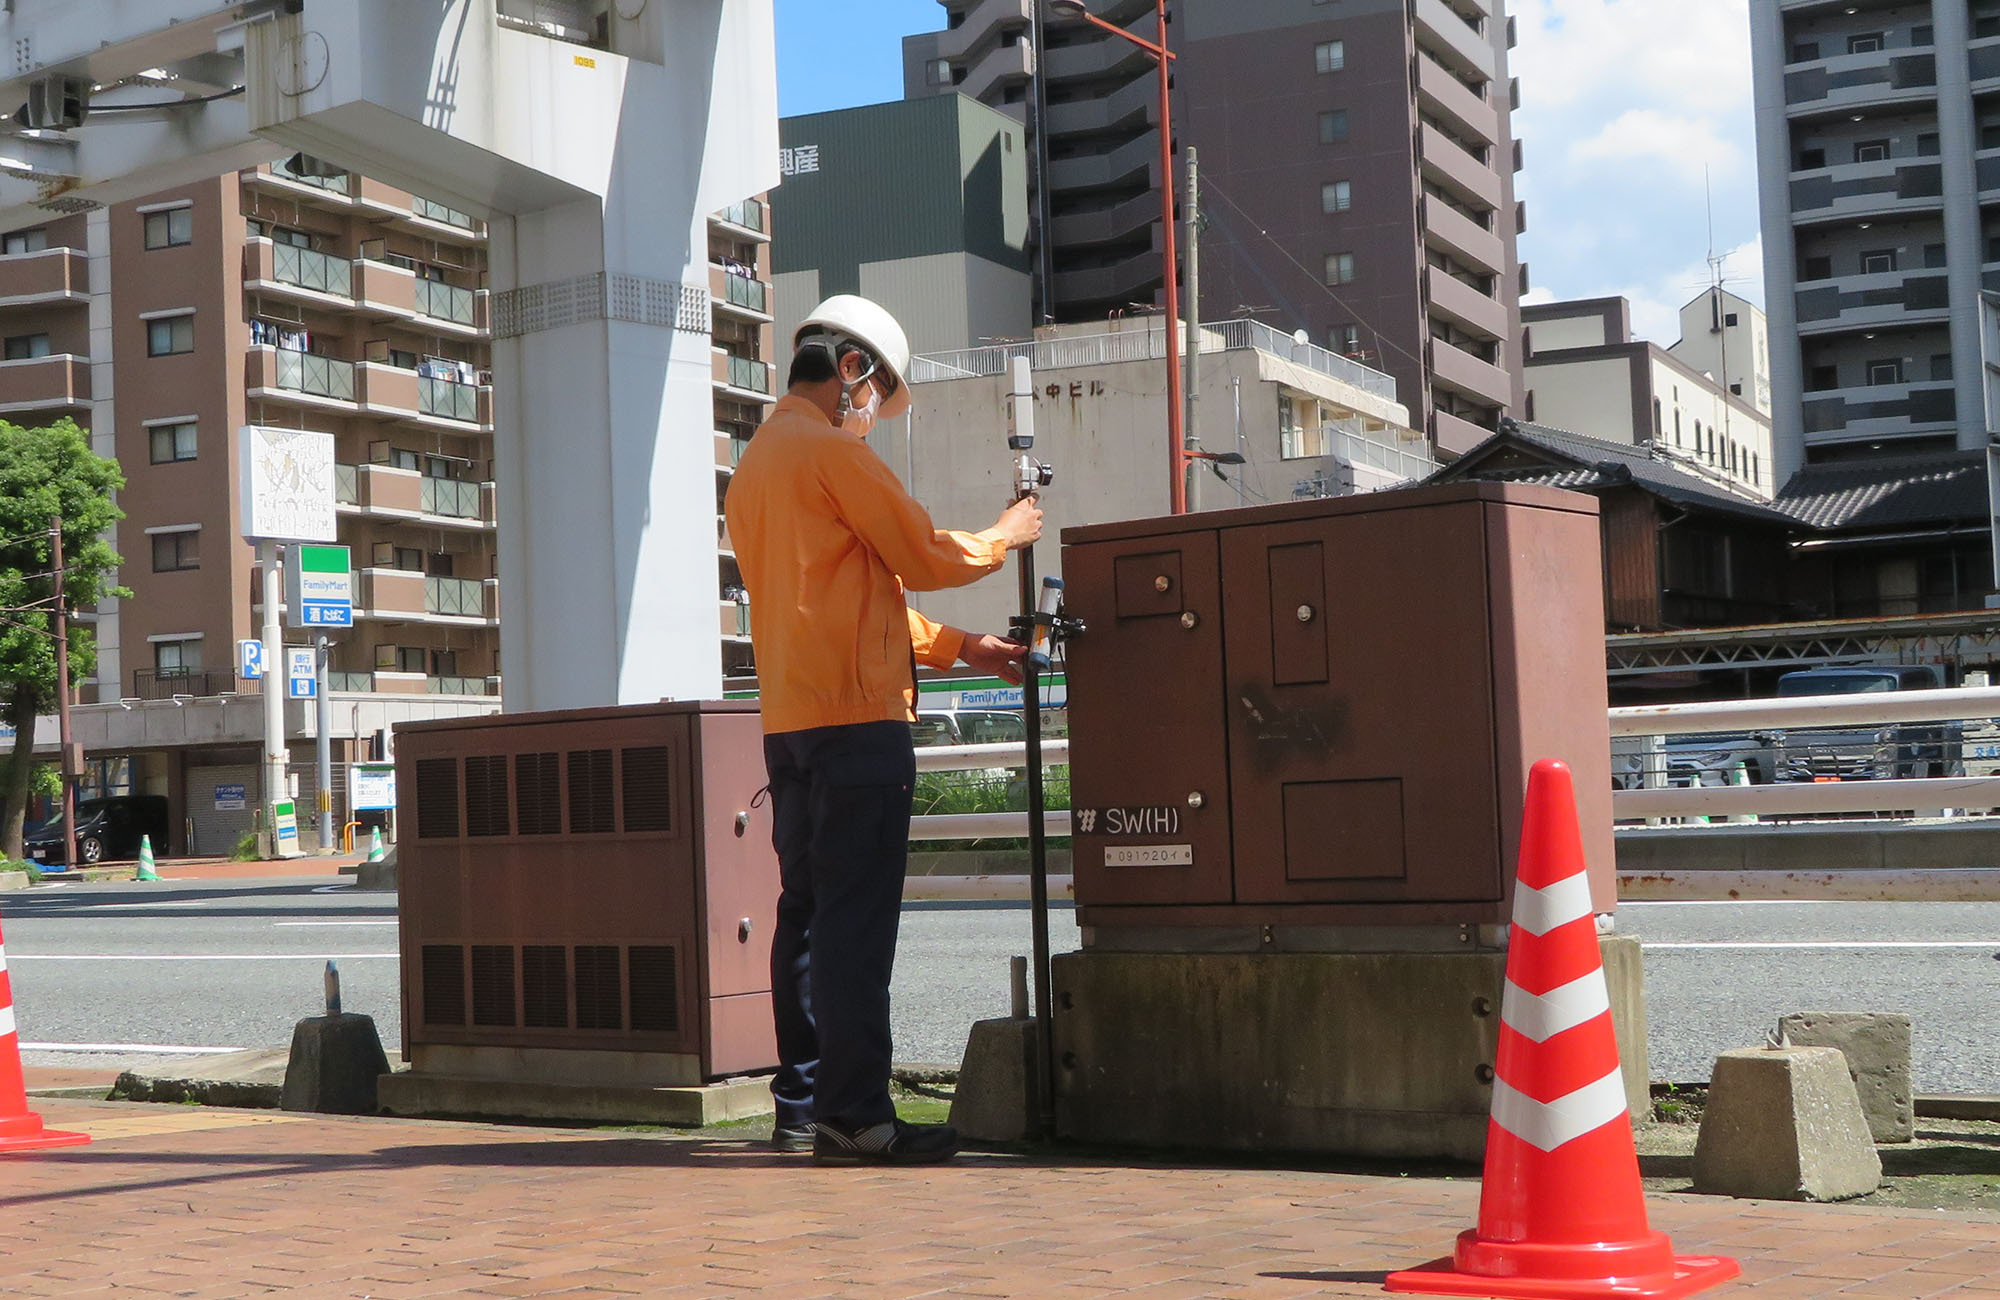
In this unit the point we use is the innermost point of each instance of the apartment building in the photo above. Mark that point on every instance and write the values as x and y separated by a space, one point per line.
1587 375
1878 145
1357 167
298 296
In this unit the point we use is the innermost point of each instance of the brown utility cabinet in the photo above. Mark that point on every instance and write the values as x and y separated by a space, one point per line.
1323 713
592 891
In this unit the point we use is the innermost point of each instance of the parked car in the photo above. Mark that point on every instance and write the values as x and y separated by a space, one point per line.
105 829
1902 750
1696 759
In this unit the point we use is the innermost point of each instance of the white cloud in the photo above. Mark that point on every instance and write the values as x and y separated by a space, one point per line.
1689 146
1689 54
1656 305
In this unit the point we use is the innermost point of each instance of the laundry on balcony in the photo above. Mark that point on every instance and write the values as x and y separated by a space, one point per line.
295 340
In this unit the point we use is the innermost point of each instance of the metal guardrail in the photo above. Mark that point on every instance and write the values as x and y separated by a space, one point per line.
347 484
165 683
438 212
322 376
748 214
308 269
460 597
450 497
444 301
1146 341
447 398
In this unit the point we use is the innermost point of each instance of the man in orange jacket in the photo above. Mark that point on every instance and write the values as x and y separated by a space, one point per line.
828 541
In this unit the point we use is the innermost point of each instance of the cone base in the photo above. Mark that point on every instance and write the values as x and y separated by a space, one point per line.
41 1141
1691 1273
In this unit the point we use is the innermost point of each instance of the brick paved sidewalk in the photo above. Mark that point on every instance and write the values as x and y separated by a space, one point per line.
173 1201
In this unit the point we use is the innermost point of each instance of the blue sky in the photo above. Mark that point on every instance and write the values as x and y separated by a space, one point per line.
1627 106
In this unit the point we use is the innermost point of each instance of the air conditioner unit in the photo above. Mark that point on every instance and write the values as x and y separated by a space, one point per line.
54 104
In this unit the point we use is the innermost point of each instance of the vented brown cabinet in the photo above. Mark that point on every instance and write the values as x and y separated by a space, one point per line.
1323 712
592 891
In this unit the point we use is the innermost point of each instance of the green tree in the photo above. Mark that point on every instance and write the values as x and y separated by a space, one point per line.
45 473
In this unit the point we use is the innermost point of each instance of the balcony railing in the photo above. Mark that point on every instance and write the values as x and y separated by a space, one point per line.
741 291
453 498
753 376
430 211
459 597
444 301
447 398
165 683
749 214
438 685
308 269
336 184
347 484
349 681
1148 345
322 376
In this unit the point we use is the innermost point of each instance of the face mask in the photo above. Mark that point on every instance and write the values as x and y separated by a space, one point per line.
860 420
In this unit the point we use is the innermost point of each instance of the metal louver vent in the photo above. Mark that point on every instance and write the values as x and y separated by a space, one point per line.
590 792
486 795
544 986
444 984
437 798
492 984
537 794
599 997
655 979
649 792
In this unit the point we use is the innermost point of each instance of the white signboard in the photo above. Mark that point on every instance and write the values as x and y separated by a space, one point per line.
300 671
250 659
287 484
371 787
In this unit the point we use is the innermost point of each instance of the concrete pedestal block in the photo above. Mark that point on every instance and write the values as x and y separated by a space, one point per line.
995 1100
421 1092
334 1064
1784 1124
1379 1054
1877 1048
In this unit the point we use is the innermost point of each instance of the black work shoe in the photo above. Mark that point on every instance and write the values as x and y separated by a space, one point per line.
889 1143
792 1139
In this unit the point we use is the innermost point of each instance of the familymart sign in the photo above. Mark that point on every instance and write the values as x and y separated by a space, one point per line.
319 586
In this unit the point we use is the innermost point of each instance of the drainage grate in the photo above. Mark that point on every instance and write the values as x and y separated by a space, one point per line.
544 986
599 1000
538 794
656 1004
444 984
492 984
590 792
437 798
649 794
486 794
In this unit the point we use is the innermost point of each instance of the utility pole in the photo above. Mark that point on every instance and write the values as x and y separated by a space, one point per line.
323 777
62 699
1191 466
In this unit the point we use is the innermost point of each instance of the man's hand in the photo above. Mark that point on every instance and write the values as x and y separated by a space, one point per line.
995 655
1021 523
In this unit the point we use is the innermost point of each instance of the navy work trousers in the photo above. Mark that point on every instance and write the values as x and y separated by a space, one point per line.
840 798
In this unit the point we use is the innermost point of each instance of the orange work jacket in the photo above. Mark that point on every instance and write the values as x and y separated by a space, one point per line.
827 541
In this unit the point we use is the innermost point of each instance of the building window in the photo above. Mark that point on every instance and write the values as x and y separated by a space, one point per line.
1805 51
1659 426
937 72
1729 318
25 241
170 229
1344 339
177 550
1336 196
1885 372
1927 145
1816 268
399 658
1340 268
1822 379
170 335
25 347
172 442
1754 472
1864 43
1871 151
1811 159
1329 56
1879 261
177 658
1333 126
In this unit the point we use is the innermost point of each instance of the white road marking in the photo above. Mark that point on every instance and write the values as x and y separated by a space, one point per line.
1739 902
155 1049
328 889
388 923
14 958
1828 944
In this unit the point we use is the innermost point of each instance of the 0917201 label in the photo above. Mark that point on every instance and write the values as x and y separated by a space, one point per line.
1149 855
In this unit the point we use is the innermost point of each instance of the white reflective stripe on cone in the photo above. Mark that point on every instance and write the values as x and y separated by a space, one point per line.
1541 1016
1546 1125
6 1021
1539 911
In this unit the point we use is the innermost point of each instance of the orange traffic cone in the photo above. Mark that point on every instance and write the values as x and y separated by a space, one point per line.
1561 1211
20 1128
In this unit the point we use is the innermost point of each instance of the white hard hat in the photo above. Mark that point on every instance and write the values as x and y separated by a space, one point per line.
848 318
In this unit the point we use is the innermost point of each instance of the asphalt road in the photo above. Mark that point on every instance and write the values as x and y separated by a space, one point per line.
114 974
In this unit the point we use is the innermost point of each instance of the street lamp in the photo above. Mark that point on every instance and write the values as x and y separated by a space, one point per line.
1176 448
